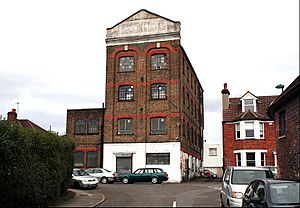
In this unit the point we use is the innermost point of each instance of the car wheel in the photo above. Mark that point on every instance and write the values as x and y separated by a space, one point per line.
125 180
154 180
104 180
76 185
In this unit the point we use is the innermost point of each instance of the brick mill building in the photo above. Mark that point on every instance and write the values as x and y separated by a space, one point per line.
285 111
248 131
154 100
84 126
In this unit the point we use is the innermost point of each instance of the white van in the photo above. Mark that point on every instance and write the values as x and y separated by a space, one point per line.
235 181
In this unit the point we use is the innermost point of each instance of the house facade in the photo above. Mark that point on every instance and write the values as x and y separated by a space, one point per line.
285 112
212 159
154 100
248 131
84 126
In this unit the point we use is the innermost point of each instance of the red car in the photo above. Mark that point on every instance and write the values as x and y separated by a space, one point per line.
208 174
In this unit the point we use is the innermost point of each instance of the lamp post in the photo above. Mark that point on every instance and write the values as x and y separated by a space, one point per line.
280 86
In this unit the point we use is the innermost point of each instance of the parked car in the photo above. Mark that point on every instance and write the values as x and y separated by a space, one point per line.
272 193
208 174
235 181
81 179
155 175
103 175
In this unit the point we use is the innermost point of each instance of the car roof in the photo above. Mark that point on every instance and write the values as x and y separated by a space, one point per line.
276 180
247 168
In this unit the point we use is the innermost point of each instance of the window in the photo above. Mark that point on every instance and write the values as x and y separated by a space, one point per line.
212 151
249 129
158 125
261 130
158 158
125 126
238 159
250 159
80 127
158 91
91 159
262 159
126 92
158 61
183 96
282 124
249 104
126 64
93 127
78 159
237 131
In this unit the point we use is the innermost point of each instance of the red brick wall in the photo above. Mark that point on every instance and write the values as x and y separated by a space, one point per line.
85 142
288 147
230 144
142 108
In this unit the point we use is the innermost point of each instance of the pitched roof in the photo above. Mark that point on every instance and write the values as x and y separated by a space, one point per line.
235 113
28 124
138 13
290 92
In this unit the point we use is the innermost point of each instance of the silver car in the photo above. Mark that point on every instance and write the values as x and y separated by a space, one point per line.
103 175
235 181
81 179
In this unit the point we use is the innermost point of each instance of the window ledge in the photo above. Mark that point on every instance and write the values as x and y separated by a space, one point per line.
282 137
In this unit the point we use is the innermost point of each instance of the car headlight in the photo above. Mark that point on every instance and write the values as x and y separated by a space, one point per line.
237 195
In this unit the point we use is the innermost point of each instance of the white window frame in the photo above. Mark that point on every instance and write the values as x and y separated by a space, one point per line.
248 96
237 129
250 122
261 130
213 151
257 156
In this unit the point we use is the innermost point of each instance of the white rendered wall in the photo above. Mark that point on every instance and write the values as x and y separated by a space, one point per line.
212 161
138 151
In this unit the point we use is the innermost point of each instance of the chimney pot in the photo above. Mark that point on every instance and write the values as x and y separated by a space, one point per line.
225 85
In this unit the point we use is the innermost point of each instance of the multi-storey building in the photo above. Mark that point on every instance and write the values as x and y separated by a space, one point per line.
154 100
248 131
84 126
285 111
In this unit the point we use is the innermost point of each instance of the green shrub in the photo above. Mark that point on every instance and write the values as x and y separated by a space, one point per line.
35 167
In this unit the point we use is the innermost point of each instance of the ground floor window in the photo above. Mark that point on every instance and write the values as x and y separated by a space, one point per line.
238 159
250 158
158 158
78 159
91 159
262 159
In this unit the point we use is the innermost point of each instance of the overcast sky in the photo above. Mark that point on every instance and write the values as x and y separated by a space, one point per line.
53 53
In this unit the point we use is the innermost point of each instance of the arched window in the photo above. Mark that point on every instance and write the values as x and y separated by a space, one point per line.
158 61
80 127
126 64
93 126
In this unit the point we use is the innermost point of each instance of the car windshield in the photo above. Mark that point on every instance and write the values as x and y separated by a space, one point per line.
80 173
106 170
285 193
243 177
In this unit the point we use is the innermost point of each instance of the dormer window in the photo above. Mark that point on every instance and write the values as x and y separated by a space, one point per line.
249 104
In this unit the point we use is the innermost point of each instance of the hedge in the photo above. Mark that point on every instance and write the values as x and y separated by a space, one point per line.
35 167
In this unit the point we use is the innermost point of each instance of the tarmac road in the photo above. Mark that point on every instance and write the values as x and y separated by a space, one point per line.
191 194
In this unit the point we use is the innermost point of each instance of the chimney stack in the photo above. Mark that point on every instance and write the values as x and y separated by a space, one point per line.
12 116
225 97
